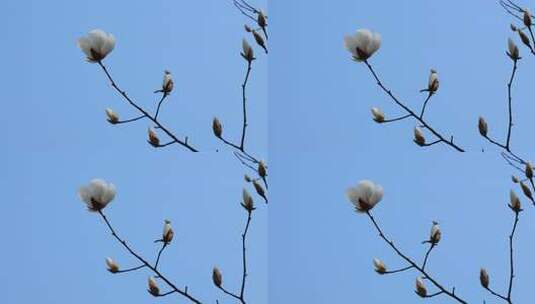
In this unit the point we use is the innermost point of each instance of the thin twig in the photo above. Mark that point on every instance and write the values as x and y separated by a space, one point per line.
131 269
129 120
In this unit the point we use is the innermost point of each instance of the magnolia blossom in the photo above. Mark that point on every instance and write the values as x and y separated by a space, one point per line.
363 44
380 267
365 195
435 235
483 127
514 201
113 117
247 51
433 83
167 83
96 45
248 202
378 115
484 278
217 277
97 194
113 267
420 287
419 138
513 51
168 233
153 287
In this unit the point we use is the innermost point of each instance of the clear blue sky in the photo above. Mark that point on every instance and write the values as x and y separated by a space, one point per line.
317 131
58 139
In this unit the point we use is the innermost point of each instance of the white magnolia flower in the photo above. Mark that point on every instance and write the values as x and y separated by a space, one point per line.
97 194
513 51
420 287
365 195
363 44
380 267
96 45
167 84
378 115
484 278
153 287
113 267
247 51
435 235
433 83
168 233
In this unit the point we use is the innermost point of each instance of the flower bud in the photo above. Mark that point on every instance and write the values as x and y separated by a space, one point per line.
259 189
515 179
379 266
113 118
483 127
529 170
247 178
217 127
153 287
514 203
420 287
433 83
247 51
435 234
513 51
484 278
153 138
378 115
527 18
513 28
248 202
217 277
262 171
113 267
524 38
419 138
168 233
167 84
261 19
248 29
259 40
526 190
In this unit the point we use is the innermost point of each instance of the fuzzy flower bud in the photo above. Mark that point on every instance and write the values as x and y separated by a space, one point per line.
247 51
524 38
167 83
113 267
248 202
153 138
262 171
153 287
217 277
379 266
515 179
420 287
529 170
113 118
248 29
483 127
514 202
527 18
261 19
484 278
513 28
378 115
168 233
435 235
513 51
259 40
217 128
419 138
247 178
259 190
526 190
433 83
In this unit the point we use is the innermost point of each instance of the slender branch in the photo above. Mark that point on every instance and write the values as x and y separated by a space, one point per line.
244 256
398 270
442 289
425 105
496 294
131 269
129 120
427 254
511 258
160 104
244 100
159 254
144 112
510 107
411 112
434 294
147 264
396 119
166 294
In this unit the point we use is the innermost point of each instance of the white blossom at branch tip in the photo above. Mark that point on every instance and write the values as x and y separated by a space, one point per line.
527 17
167 83
363 44
217 277
433 82
113 267
96 45
484 278
378 115
513 51
420 287
97 194
419 138
435 234
153 287
514 201
483 126
365 195
247 50
168 233
113 117
379 266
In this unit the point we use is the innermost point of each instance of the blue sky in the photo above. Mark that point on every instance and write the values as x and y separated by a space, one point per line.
316 130
58 139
